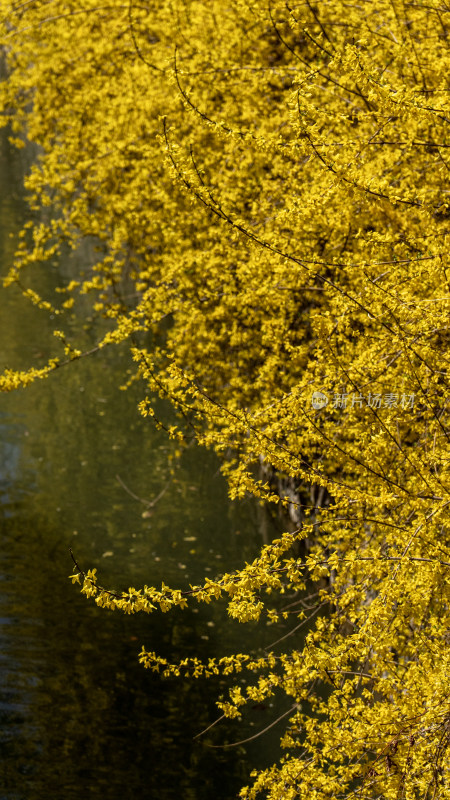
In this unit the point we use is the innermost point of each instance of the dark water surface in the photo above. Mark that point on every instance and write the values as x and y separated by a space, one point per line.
79 717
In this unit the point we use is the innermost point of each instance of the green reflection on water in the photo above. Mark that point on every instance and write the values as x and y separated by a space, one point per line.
79 716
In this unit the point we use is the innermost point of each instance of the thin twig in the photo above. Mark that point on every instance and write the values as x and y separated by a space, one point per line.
148 503
255 736
209 726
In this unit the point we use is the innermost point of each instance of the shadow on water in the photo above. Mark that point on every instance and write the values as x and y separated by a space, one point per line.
79 717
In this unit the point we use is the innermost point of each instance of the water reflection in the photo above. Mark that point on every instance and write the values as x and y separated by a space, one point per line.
78 716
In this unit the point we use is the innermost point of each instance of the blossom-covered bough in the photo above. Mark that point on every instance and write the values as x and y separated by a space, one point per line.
267 185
